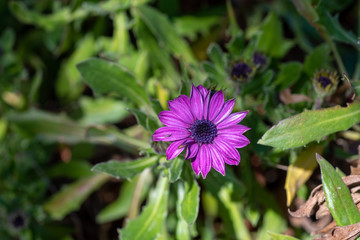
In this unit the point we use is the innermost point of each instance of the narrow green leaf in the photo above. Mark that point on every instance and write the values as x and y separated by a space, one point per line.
147 122
334 28
74 169
216 55
151 220
165 33
3 128
175 170
312 125
272 41
73 195
241 231
277 236
69 85
47 126
106 77
48 22
120 207
272 221
102 110
337 195
122 169
51 127
182 228
190 203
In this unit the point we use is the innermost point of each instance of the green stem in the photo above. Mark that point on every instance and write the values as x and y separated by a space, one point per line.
356 73
336 53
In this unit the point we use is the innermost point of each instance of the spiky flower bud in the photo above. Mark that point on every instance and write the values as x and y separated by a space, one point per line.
325 82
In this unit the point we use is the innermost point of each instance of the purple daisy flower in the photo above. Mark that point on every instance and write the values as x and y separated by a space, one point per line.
204 126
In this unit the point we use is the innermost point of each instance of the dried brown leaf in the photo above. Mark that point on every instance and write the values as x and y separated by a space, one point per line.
287 97
349 232
317 198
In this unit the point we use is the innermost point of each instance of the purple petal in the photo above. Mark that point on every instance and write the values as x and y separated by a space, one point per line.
226 149
170 134
181 107
206 105
216 104
204 160
202 90
175 149
235 129
225 111
230 161
170 119
233 119
192 150
196 103
195 165
237 141
217 160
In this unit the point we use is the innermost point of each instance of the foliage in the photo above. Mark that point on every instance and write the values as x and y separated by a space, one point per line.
82 83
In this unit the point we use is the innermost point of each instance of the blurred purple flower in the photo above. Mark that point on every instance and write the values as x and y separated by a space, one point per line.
204 126
241 71
259 59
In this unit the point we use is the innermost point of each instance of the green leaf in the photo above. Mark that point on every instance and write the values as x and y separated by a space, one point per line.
259 82
145 121
73 169
272 41
277 236
122 169
164 32
47 126
120 207
175 170
241 231
312 125
190 203
317 59
69 85
190 26
3 128
70 197
217 56
102 110
106 77
334 28
182 228
56 127
272 221
151 220
289 74
337 195
48 22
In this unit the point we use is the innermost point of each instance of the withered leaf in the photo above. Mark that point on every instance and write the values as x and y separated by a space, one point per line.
287 97
317 198
349 232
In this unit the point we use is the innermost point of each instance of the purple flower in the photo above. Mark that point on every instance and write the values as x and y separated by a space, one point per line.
204 126
241 71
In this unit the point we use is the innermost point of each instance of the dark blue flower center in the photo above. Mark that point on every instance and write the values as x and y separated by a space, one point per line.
203 131
324 81
241 70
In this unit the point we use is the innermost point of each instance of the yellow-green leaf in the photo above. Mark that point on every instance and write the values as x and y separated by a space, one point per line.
299 172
